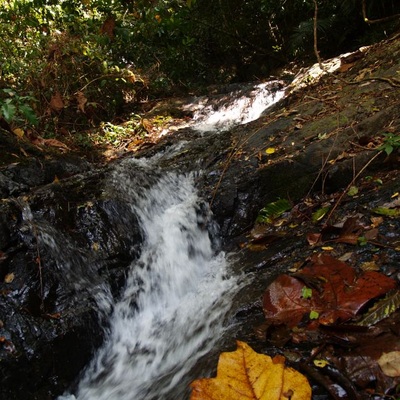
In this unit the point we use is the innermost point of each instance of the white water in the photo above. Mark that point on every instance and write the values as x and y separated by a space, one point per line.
176 297
235 108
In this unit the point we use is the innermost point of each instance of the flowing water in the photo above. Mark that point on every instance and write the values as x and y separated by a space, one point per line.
174 306
240 106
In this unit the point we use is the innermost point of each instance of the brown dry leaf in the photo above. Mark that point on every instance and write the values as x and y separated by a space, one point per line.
81 100
108 27
135 144
55 143
54 316
359 363
350 232
262 243
345 67
3 256
372 234
245 374
56 102
147 125
314 238
376 221
390 363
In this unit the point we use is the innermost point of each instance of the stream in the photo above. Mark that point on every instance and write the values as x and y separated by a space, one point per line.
175 305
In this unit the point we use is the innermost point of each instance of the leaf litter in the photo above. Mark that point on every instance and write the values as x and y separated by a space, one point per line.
335 315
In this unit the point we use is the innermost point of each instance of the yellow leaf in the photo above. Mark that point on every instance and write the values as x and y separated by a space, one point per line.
245 374
321 363
327 248
369 266
9 277
270 150
19 132
390 363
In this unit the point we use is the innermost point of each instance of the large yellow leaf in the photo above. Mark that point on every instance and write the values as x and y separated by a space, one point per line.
245 374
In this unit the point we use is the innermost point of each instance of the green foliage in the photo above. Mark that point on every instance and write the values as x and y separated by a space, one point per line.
362 241
62 50
116 134
94 56
17 109
388 212
390 142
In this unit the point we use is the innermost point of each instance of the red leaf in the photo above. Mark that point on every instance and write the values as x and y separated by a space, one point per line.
340 293
283 301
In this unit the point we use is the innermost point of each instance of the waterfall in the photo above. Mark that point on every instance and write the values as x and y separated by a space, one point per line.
172 309
239 106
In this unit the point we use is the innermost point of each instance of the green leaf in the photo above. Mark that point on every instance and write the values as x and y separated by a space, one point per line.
352 191
306 293
8 111
362 240
273 210
388 148
388 212
319 214
29 114
314 315
9 91
381 310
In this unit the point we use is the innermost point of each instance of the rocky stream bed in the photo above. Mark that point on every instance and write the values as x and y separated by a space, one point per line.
310 148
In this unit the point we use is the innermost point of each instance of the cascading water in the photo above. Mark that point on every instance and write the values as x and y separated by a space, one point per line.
178 293
240 106
172 309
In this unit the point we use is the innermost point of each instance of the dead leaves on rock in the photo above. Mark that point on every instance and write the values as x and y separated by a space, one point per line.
338 294
330 306
245 374
347 315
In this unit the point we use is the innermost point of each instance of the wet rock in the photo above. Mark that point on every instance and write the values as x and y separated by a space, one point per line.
61 245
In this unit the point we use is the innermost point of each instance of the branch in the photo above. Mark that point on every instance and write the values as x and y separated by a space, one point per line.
376 21
316 36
